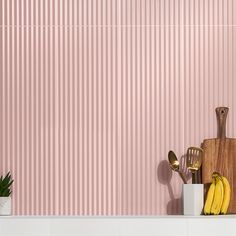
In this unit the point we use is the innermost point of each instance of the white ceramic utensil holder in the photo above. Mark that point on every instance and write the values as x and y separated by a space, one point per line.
5 206
193 199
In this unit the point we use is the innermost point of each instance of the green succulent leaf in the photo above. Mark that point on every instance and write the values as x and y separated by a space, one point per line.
9 184
5 185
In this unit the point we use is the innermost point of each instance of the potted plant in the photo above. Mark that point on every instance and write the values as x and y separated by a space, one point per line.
5 194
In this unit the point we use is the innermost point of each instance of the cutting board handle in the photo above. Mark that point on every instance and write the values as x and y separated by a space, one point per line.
221 114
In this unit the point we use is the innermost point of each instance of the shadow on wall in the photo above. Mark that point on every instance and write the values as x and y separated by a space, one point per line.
164 175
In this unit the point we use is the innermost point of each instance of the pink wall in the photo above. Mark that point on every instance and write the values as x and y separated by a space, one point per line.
94 93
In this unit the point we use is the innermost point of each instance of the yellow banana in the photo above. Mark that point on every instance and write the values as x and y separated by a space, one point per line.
209 199
227 193
218 196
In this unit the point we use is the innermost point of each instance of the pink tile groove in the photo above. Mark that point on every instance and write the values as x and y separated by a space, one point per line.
94 93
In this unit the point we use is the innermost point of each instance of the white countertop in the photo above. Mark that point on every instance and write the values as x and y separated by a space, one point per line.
118 217
118 225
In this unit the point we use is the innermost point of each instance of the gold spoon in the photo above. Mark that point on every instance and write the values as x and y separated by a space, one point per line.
174 164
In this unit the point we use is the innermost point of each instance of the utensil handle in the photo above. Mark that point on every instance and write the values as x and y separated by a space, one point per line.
182 177
194 178
221 114
199 176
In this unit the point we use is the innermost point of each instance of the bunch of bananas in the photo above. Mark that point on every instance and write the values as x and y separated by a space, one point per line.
218 196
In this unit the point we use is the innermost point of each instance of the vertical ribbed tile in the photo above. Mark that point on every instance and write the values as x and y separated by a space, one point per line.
95 93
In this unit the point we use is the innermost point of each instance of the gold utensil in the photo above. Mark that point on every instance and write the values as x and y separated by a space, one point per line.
194 161
174 164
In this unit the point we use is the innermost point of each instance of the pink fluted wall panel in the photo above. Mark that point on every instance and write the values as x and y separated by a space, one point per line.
94 93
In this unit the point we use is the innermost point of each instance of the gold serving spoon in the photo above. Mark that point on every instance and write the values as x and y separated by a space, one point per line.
194 161
174 164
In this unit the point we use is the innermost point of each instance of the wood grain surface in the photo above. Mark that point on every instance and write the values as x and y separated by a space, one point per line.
219 155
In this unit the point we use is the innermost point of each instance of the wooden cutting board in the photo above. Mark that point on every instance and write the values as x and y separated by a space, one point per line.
220 155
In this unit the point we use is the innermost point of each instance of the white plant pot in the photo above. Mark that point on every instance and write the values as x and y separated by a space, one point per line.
5 206
193 197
